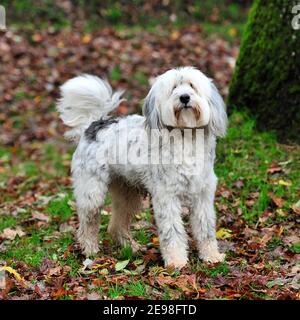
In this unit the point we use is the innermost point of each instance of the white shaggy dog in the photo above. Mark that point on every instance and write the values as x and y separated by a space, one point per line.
179 99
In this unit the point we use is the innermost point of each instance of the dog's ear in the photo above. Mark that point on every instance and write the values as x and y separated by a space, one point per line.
218 118
151 112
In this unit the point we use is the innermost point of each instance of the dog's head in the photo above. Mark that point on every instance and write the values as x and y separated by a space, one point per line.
185 98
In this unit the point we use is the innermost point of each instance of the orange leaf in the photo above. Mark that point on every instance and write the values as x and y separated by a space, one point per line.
279 202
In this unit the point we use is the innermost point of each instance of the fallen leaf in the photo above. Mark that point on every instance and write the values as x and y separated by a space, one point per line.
93 296
281 213
175 35
274 168
232 32
291 240
285 183
10 234
14 273
40 216
86 38
279 202
296 207
37 37
223 234
239 184
121 265
151 255
87 263
276 282
155 241
58 293
55 271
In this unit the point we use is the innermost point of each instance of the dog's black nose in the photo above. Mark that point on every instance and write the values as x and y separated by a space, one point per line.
185 98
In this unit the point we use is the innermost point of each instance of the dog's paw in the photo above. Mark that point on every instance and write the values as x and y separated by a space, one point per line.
135 246
125 240
209 252
175 262
90 249
213 257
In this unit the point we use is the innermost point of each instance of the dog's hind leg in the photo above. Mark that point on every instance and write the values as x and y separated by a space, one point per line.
126 201
89 191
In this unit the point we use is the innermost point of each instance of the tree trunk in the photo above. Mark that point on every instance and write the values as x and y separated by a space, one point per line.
266 80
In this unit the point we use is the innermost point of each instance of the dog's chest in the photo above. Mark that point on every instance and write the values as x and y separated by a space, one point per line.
177 179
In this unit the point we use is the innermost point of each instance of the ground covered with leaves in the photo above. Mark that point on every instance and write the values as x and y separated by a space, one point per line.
257 201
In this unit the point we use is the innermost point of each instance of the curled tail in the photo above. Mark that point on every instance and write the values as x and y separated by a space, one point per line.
85 99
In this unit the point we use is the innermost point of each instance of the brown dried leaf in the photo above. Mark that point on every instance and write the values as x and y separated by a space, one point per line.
40 216
11 234
279 202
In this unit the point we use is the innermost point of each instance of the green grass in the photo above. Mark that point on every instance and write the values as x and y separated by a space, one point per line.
7 222
60 208
40 244
131 289
246 155
274 243
296 247
140 77
215 271
59 161
136 288
115 73
229 31
125 253
30 169
116 290
142 236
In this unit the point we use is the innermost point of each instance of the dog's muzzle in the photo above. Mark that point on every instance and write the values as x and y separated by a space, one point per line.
185 107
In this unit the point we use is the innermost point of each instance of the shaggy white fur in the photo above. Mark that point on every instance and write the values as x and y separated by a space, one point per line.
182 98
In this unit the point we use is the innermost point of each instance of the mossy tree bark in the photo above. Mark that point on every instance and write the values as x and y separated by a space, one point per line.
266 80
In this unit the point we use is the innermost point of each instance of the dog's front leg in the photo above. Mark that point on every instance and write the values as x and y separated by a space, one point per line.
172 236
203 224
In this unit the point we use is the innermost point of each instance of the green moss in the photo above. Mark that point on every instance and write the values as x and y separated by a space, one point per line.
267 78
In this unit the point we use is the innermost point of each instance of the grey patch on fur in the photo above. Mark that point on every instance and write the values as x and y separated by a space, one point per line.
96 126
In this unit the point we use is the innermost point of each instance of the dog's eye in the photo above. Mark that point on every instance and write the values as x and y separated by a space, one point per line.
192 86
174 87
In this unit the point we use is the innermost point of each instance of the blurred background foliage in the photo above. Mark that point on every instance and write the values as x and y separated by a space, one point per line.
93 14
